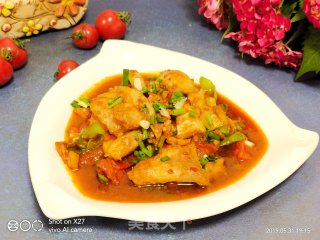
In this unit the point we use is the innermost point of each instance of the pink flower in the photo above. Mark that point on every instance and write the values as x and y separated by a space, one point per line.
280 54
312 11
262 29
215 12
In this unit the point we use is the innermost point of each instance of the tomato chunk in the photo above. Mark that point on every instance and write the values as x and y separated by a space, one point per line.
111 170
89 158
240 151
205 148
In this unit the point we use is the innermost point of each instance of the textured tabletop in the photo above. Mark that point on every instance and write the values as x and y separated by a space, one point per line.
294 205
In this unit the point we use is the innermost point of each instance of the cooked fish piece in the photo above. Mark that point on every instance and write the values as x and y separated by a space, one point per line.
175 80
172 164
124 116
215 169
211 120
198 99
188 126
121 146
178 141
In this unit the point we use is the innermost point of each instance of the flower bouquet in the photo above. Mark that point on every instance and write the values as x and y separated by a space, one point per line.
283 32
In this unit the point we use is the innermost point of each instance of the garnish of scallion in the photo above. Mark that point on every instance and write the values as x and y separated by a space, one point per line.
125 77
164 159
115 102
178 111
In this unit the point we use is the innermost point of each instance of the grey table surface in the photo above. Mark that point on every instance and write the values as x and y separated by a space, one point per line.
175 25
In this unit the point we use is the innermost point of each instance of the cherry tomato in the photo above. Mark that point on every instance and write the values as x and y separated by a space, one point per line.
6 72
111 24
14 52
65 67
85 36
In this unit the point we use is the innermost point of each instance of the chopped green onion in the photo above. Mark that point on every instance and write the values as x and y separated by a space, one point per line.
206 84
154 88
136 136
208 158
140 156
211 135
150 149
178 111
224 130
144 108
147 151
144 134
81 103
209 119
144 90
152 119
236 137
136 153
135 161
203 161
141 145
158 105
92 131
102 178
125 77
164 159
192 113
159 119
176 97
115 102
161 142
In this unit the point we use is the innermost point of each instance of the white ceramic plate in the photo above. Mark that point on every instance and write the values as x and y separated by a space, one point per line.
59 198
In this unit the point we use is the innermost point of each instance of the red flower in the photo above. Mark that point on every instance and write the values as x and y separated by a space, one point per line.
312 11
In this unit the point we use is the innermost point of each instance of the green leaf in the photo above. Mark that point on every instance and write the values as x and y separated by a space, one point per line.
311 53
300 15
288 9
232 22
301 3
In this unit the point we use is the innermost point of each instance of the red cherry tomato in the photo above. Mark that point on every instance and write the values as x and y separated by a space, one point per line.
65 67
6 72
85 36
111 24
14 52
